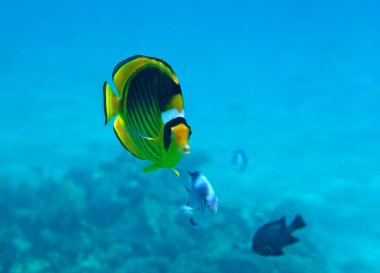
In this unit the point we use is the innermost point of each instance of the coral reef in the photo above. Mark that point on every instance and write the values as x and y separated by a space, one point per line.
114 218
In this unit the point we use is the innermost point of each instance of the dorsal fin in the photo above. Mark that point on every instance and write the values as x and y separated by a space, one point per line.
126 68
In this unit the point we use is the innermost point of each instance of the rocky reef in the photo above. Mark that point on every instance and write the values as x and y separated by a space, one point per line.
114 218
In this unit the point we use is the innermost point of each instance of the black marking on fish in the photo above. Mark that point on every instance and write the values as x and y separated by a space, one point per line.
192 222
194 175
104 102
137 57
117 67
168 130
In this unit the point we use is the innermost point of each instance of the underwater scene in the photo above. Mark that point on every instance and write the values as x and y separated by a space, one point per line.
189 136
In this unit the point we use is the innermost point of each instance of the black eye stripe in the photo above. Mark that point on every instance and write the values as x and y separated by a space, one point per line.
168 130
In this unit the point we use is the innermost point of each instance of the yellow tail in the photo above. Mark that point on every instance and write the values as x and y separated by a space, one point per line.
111 103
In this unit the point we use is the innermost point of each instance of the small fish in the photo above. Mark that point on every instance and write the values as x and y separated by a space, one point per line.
202 199
273 236
240 160
148 105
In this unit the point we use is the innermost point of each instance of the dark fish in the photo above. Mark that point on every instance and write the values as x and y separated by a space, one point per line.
240 160
273 236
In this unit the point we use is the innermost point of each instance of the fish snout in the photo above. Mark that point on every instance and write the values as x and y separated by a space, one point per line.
186 149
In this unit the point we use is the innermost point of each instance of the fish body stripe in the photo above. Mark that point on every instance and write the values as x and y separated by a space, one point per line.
146 105
139 118
147 88
144 145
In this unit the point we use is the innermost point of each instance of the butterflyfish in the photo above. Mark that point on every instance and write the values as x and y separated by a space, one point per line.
148 105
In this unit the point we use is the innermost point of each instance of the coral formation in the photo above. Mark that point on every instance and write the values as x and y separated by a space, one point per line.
110 219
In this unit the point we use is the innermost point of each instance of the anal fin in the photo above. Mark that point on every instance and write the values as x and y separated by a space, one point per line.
151 168
124 137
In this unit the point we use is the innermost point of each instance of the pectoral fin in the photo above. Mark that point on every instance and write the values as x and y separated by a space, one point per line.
155 139
187 210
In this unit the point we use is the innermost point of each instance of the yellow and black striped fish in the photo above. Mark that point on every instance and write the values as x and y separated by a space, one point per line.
150 120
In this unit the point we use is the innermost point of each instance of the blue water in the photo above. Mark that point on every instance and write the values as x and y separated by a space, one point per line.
295 84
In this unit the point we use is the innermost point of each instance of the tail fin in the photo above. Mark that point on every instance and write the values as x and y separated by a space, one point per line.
292 240
111 103
298 223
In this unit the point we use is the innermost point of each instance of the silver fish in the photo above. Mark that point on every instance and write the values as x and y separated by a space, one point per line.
240 160
202 199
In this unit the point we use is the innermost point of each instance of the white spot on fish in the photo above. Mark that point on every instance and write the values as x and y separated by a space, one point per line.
171 114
